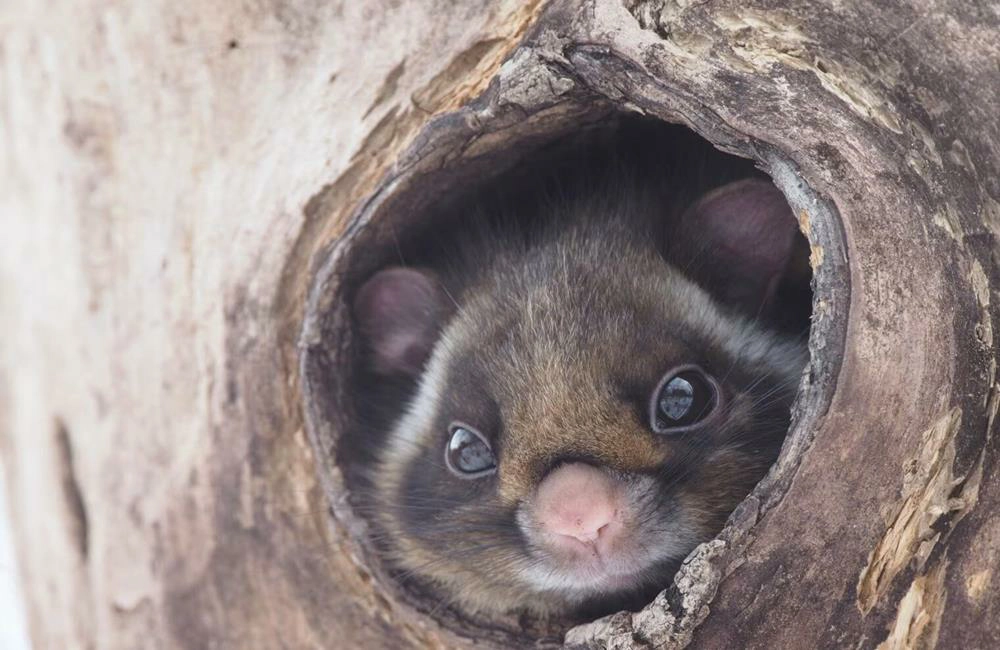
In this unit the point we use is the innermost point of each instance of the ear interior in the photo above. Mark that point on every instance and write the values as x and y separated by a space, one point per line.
400 312
743 243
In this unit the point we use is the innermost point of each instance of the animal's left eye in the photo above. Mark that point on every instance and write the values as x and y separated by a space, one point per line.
468 455
684 397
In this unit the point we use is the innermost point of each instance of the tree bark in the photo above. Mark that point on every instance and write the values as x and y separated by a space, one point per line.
188 188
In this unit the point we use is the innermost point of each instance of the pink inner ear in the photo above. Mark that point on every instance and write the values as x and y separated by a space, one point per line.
400 312
747 231
752 220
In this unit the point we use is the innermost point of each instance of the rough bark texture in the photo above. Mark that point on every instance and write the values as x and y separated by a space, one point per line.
187 187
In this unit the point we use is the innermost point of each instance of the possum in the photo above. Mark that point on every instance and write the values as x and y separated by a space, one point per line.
596 384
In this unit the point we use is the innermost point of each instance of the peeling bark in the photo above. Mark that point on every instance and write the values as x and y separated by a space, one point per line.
188 193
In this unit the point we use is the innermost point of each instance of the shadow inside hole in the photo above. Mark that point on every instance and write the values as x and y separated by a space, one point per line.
673 167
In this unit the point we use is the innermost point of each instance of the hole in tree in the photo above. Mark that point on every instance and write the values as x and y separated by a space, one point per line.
617 319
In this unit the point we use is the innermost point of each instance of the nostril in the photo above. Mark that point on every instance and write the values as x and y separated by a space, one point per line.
598 541
590 536
587 528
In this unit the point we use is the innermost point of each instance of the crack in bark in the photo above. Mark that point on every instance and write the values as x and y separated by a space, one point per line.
79 522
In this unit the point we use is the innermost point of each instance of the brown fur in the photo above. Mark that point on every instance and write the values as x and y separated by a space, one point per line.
564 305
548 332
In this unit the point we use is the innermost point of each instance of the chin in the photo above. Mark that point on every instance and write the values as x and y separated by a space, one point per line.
592 591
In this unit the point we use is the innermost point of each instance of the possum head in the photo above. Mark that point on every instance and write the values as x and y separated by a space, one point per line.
585 414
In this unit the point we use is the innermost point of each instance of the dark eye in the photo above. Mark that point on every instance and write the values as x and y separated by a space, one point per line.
683 398
468 455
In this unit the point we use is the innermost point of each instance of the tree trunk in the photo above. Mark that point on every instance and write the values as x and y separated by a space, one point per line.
187 187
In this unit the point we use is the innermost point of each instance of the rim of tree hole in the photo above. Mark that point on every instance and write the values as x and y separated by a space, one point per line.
539 96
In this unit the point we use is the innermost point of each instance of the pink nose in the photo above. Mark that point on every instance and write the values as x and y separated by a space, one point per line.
578 501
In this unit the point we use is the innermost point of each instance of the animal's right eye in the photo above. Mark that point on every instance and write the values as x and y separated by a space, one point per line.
684 398
468 455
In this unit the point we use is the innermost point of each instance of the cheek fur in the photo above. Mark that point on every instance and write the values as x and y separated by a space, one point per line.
718 485
712 472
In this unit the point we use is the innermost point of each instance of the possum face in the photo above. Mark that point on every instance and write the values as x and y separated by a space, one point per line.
584 416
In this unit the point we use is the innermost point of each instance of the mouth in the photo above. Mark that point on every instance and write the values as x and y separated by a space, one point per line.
584 569
584 580
609 580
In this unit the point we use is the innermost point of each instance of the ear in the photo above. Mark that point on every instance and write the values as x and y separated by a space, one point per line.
740 240
400 313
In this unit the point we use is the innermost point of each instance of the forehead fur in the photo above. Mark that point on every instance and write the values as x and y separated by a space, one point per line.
545 333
